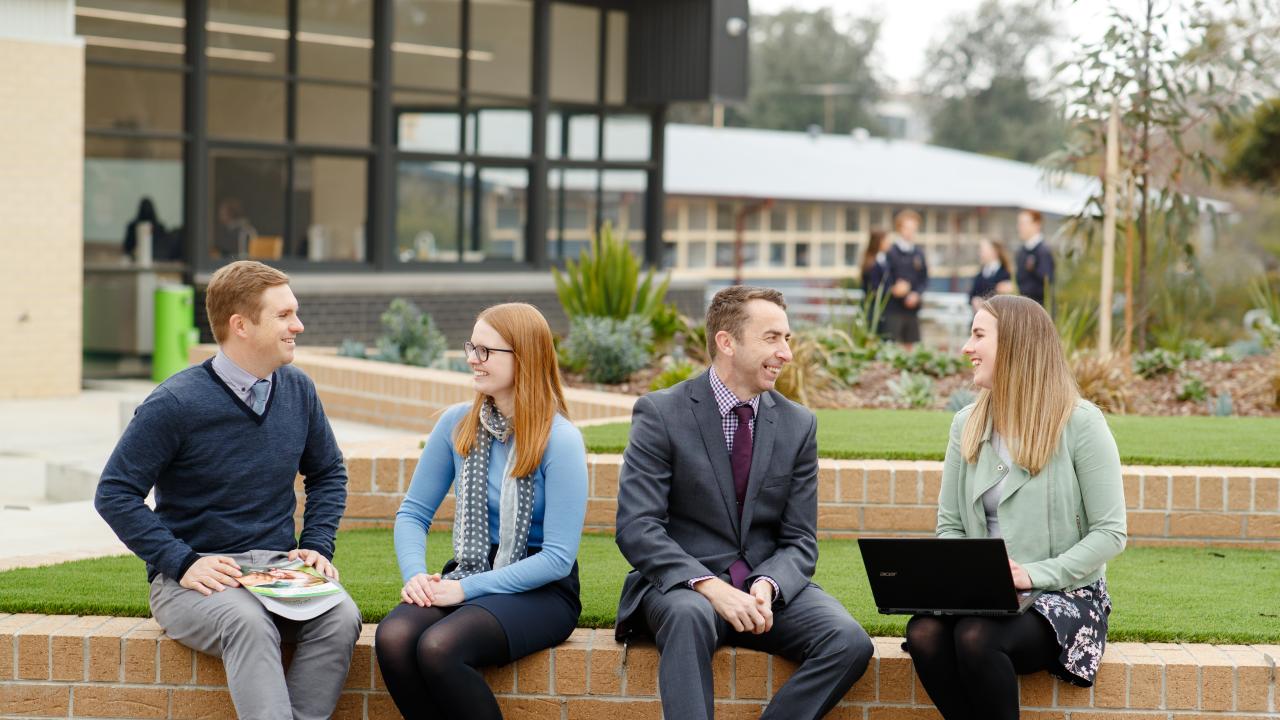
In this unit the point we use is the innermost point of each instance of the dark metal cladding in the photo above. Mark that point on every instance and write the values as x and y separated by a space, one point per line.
687 50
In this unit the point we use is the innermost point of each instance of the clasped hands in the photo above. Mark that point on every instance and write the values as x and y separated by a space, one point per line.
426 590
746 611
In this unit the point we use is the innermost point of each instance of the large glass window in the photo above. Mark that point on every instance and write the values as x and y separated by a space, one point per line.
334 39
428 131
247 196
427 45
133 149
248 35
501 53
120 177
575 47
428 211
288 112
120 98
122 31
615 92
573 213
329 208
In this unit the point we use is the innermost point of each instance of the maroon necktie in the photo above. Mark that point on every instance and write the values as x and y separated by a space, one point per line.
740 459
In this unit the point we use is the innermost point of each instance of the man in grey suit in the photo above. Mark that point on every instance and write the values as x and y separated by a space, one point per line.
717 513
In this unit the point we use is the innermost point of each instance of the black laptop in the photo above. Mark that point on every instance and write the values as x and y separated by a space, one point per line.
942 576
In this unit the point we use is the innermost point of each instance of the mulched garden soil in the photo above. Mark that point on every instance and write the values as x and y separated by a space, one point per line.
1250 381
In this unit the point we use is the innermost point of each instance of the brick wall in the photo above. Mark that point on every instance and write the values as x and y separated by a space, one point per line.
411 398
41 251
64 666
1167 505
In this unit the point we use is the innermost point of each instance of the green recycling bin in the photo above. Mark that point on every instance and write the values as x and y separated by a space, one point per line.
175 330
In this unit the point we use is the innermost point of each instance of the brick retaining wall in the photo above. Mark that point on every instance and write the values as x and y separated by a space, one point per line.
99 667
411 398
1167 505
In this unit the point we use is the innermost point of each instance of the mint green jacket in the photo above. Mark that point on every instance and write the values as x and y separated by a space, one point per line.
1063 524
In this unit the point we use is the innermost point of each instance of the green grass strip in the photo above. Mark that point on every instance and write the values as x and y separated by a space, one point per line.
922 435
1161 594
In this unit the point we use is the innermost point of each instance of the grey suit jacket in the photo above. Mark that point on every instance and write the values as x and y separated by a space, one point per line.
677 512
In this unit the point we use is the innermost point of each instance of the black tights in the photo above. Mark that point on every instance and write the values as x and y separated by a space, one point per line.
969 665
428 657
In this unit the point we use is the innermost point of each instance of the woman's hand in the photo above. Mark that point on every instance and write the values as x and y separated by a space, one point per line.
1021 580
420 590
447 592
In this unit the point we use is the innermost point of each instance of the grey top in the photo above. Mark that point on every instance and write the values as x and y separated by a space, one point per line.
991 498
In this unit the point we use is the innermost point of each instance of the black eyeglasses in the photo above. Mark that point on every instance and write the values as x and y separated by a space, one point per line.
481 352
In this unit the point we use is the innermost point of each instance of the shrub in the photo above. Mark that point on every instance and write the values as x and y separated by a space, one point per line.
1194 349
352 348
605 282
920 360
912 390
1192 389
694 342
806 374
961 398
1103 382
411 337
675 372
607 350
1155 362
1222 406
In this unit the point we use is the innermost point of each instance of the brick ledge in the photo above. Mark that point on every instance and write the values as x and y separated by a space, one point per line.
67 666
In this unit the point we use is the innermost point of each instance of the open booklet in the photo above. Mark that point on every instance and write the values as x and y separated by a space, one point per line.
292 589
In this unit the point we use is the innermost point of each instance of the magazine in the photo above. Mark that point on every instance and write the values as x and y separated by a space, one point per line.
292 589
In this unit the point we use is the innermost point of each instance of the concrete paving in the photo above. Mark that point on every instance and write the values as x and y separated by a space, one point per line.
51 454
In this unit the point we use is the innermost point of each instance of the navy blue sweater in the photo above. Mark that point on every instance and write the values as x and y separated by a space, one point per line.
223 475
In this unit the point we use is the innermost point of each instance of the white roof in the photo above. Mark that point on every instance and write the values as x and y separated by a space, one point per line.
755 163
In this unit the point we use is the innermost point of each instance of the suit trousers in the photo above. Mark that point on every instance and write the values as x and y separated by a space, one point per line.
813 630
234 626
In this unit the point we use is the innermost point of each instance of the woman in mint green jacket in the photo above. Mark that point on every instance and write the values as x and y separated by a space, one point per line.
1032 463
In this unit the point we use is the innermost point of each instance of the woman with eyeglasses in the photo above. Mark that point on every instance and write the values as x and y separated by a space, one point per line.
518 469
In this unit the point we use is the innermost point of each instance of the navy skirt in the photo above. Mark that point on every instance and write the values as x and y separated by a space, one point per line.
535 619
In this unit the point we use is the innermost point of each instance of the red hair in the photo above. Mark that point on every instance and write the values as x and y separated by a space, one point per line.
539 395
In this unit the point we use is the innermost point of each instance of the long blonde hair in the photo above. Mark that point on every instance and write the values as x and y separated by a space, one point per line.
537 383
1032 390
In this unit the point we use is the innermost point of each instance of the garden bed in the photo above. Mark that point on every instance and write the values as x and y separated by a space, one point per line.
1249 382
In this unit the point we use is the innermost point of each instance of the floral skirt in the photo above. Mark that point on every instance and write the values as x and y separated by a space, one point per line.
1079 619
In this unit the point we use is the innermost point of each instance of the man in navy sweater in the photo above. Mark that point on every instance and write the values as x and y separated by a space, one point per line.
221 444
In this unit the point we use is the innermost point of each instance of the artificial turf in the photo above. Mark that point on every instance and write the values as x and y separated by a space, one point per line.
1161 594
922 435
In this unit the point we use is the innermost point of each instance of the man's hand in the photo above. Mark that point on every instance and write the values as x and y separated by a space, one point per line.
447 592
317 561
762 591
1021 580
741 610
420 590
210 574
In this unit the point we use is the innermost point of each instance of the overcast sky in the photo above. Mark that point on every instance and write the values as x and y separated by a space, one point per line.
909 25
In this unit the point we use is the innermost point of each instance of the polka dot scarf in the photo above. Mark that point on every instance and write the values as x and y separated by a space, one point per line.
471 523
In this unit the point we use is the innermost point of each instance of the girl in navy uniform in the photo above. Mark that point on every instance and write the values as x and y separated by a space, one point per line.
993 277
875 272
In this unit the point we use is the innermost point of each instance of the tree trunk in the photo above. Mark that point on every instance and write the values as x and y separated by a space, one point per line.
1144 229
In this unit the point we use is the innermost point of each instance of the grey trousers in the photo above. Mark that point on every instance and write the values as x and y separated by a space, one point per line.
233 625
813 630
